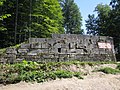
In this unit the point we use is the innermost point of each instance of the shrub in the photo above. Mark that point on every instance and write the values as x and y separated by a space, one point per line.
63 74
118 66
109 70
78 75
33 72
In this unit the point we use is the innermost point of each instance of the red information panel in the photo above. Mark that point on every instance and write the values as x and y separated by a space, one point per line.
104 45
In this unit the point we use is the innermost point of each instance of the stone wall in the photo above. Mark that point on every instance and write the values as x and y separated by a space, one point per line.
63 47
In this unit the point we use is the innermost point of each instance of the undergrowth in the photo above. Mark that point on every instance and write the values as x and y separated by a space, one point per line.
42 72
33 72
109 70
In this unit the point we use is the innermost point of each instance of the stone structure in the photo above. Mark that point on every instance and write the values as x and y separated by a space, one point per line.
63 47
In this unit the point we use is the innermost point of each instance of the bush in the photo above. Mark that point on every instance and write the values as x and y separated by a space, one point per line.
118 66
63 74
78 75
33 72
109 70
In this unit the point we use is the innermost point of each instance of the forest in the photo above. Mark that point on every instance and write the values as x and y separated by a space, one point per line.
23 19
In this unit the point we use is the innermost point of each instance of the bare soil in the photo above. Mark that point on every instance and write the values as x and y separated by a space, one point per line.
92 81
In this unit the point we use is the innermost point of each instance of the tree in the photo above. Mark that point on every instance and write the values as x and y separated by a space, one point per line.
15 24
99 25
72 17
107 22
91 25
36 18
115 23
3 16
47 18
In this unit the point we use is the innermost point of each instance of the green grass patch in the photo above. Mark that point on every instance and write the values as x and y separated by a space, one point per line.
109 70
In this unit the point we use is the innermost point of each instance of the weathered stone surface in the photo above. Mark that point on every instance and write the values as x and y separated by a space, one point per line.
35 52
11 51
36 45
64 47
35 40
23 51
23 45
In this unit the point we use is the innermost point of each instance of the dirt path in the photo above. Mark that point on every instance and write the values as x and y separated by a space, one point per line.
94 81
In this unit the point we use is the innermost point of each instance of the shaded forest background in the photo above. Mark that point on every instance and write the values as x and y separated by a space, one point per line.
22 19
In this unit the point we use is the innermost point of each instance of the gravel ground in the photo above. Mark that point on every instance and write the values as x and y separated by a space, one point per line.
94 81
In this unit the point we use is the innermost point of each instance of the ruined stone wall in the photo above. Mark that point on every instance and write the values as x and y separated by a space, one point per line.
63 47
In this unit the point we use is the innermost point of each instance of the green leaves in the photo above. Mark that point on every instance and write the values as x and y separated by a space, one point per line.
4 16
48 18
34 72
1 2
98 25
2 28
72 17
107 22
109 70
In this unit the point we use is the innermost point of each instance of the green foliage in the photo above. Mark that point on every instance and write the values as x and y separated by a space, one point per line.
1 2
78 75
34 72
99 25
2 50
115 23
47 18
118 66
3 16
29 18
106 22
109 70
63 74
41 72
72 17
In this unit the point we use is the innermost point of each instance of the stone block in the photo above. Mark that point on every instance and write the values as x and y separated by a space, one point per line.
71 45
35 52
25 45
35 40
72 51
45 45
23 51
63 47
57 45
79 51
37 45
48 56
11 51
